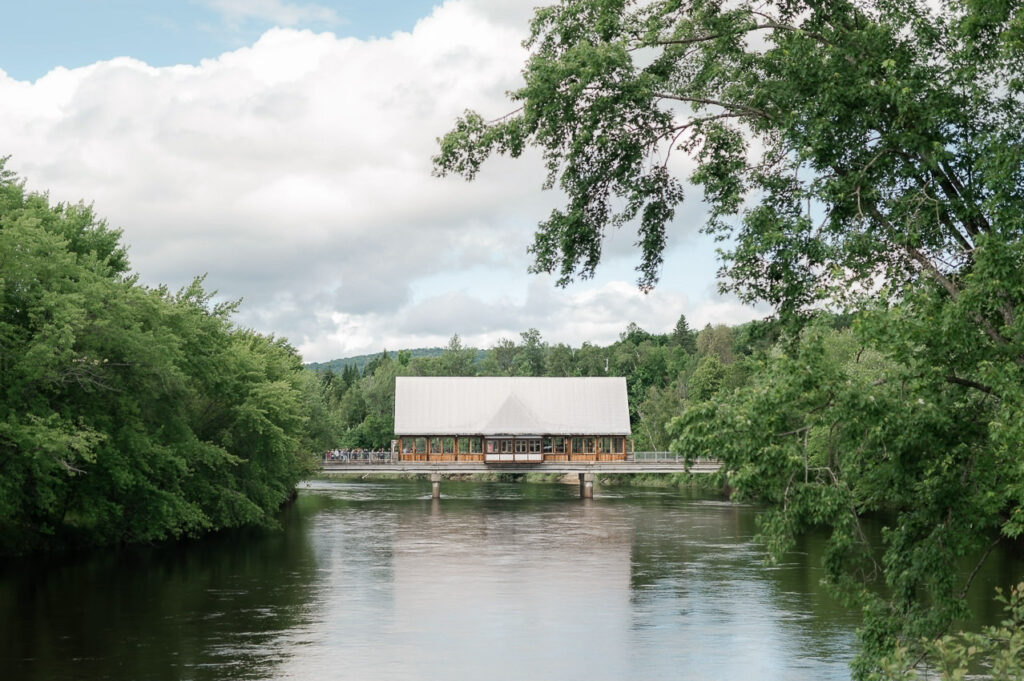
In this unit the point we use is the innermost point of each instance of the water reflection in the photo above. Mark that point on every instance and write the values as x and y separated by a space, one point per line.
205 610
375 580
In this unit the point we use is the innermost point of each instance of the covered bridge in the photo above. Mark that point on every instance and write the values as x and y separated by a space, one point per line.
511 420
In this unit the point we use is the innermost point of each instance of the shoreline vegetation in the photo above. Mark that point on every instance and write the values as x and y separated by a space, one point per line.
138 415
131 414
861 165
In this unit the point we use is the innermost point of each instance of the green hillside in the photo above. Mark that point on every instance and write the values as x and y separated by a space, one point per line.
360 361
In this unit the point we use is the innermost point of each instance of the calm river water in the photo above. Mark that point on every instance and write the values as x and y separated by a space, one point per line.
374 580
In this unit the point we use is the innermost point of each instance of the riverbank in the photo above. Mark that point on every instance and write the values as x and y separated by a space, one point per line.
694 480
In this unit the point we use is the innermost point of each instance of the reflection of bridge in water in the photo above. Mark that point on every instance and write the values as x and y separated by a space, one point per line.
638 462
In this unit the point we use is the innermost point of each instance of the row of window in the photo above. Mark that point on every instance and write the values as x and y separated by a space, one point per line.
512 446
442 445
547 445
599 445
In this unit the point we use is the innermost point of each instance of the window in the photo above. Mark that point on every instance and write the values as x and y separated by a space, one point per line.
475 445
577 445
588 445
435 445
449 445
421 445
558 445
546 445
520 446
534 446
492 446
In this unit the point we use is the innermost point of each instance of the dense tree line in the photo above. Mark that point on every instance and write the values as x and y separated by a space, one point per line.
863 156
664 373
129 413
855 155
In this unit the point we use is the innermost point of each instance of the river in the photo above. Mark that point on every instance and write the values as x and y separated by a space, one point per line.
375 580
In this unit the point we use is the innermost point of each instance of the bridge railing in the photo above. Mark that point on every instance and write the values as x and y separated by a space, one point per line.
665 457
376 458
359 457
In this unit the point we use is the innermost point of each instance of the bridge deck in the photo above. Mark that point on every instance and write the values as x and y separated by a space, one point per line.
457 467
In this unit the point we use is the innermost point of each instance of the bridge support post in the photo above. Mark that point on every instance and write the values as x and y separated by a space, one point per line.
435 485
586 485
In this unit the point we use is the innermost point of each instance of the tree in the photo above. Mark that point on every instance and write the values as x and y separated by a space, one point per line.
684 336
706 379
716 340
130 414
837 143
457 360
866 155
839 431
561 361
352 408
503 356
530 358
634 334
658 408
371 366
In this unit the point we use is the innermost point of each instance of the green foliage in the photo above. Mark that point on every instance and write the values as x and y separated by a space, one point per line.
357 411
717 341
457 360
129 414
684 336
501 360
998 650
359 362
839 430
706 378
834 143
658 408
529 361
863 156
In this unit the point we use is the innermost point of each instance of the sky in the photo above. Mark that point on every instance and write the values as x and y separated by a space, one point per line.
282 150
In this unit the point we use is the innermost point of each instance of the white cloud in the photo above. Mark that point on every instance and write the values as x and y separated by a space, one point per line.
296 173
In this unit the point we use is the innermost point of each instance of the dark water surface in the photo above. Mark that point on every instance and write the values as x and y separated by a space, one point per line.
374 580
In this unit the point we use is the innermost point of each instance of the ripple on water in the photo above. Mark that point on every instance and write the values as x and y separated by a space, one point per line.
376 580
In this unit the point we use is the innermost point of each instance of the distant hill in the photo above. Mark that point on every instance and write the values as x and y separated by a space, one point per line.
360 361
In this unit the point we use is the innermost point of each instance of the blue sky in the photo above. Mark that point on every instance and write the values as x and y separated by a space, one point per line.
39 35
282 149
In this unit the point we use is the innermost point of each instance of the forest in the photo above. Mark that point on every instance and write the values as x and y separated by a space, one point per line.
131 414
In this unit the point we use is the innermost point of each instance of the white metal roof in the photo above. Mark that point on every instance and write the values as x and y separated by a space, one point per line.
499 405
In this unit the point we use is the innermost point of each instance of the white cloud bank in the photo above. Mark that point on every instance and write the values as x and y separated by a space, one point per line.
296 173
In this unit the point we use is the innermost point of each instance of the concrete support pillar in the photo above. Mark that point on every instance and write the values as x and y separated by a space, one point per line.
586 485
435 485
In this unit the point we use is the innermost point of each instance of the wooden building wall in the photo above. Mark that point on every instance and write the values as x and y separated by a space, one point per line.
471 448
